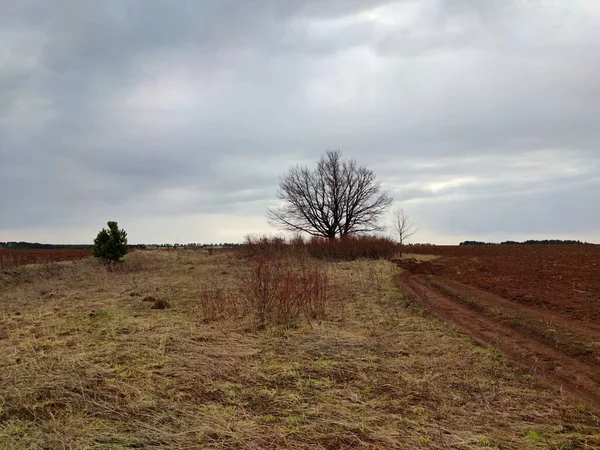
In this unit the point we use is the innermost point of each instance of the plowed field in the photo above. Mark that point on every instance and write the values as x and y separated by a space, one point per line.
20 257
562 278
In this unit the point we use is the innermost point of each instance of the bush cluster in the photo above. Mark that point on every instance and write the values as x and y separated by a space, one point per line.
348 248
278 291
275 291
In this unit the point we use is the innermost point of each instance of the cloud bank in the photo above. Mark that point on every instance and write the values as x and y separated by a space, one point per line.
481 117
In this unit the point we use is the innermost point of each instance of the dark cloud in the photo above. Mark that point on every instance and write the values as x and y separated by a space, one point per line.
479 116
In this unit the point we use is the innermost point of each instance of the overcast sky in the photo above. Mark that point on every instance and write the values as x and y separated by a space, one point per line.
481 117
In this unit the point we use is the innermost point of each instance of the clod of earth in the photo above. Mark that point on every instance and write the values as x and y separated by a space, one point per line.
420 267
160 304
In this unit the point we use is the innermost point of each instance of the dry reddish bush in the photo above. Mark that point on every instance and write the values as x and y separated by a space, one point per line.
271 246
275 290
218 302
352 247
348 248
281 292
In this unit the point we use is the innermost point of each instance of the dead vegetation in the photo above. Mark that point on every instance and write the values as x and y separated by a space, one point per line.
348 248
366 372
273 291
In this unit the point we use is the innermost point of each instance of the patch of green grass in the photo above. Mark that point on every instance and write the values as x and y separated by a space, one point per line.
534 435
99 315
485 442
494 352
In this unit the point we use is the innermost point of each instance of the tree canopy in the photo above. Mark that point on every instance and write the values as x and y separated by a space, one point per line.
111 244
337 198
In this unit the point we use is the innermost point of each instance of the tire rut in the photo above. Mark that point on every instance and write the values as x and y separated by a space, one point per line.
552 367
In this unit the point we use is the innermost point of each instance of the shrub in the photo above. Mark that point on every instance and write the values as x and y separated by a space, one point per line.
265 246
110 245
280 292
275 290
352 247
348 248
216 302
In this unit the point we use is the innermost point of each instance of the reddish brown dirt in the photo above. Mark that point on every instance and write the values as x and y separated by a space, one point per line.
561 278
19 257
537 304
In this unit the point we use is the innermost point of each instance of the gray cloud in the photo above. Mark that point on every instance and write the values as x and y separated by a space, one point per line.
480 116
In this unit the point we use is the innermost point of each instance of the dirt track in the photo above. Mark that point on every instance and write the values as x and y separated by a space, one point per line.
556 349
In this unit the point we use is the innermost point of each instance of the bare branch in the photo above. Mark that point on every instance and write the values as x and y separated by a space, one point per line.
337 198
403 226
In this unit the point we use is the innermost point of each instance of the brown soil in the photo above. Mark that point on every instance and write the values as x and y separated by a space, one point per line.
561 278
419 267
551 343
19 257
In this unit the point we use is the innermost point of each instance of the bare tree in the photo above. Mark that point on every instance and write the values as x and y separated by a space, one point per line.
403 226
337 198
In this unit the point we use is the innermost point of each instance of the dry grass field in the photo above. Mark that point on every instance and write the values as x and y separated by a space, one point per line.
89 361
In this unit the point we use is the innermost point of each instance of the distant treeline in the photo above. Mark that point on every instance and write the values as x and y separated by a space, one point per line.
528 242
37 245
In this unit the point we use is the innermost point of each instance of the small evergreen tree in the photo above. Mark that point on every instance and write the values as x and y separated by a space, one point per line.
111 245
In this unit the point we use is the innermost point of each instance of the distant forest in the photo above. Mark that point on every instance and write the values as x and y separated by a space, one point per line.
529 242
37 245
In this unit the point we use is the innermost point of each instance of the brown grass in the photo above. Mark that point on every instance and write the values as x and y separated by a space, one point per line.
129 376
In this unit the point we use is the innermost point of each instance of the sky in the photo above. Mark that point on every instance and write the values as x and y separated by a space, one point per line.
480 117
